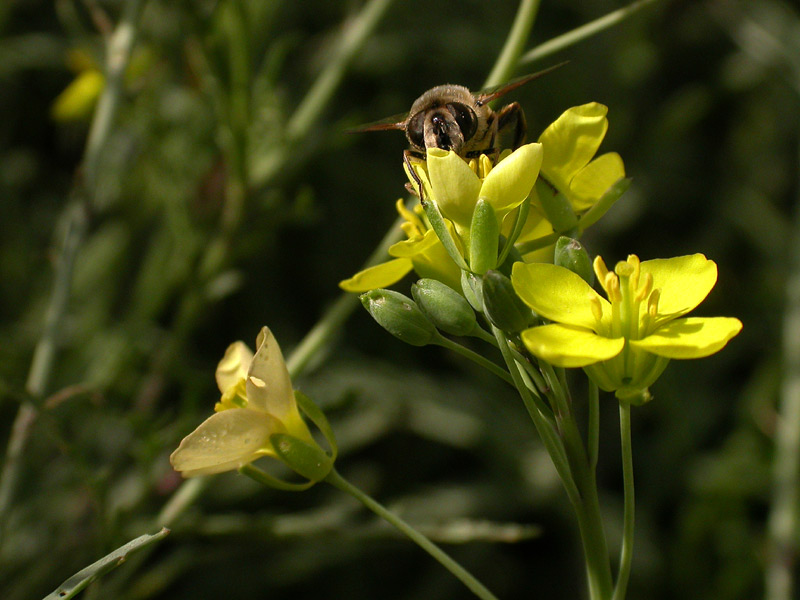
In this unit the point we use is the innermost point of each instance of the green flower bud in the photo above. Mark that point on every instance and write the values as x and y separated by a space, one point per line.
445 308
501 304
483 238
570 254
309 461
400 316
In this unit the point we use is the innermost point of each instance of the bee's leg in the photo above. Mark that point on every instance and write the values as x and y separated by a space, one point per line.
407 156
513 112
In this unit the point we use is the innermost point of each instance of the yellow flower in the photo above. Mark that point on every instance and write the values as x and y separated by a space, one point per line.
422 252
623 343
455 186
570 143
257 402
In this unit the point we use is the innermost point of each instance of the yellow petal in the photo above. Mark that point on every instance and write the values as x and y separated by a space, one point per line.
684 282
233 366
511 180
224 442
379 276
571 142
566 346
455 186
592 181
692 337
558 294
269 387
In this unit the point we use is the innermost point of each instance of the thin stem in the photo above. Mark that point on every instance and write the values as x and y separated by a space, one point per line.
544 426
475 586
483 335
353 37
593 435
508 60
474 357
583 32
590 522
626 554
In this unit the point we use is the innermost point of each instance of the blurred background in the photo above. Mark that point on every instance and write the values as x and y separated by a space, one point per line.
225 199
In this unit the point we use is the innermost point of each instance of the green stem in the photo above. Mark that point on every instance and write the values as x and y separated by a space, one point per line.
544 426
593 435
483 335
583 32
475 586
626 555
474 357
587 509
515 42
354 35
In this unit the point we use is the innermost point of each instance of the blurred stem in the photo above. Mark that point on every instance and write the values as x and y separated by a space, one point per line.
508 60
238 116
77 218
583 32
626 554
118 55
474 357
782 526
320 94
423 542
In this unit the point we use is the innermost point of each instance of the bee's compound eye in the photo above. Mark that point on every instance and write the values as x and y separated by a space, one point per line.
415 130
465 118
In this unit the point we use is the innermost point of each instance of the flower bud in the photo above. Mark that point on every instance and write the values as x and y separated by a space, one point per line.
501 304
448 310
400 316
308 460
570 254
483 238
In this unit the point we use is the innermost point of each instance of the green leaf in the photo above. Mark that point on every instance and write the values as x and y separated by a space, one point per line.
84 577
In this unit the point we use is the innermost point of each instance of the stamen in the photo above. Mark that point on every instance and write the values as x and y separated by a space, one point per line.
486 166
601 271
652 302
611 285
644 291
597 308
473 164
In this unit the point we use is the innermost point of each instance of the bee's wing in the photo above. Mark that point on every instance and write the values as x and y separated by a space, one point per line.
394 122
493 93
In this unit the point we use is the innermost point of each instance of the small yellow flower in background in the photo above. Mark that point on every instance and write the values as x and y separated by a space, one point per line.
78 99
257 402
421 252
570 144
623 343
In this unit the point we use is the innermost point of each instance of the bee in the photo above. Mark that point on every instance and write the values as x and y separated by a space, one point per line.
451 117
